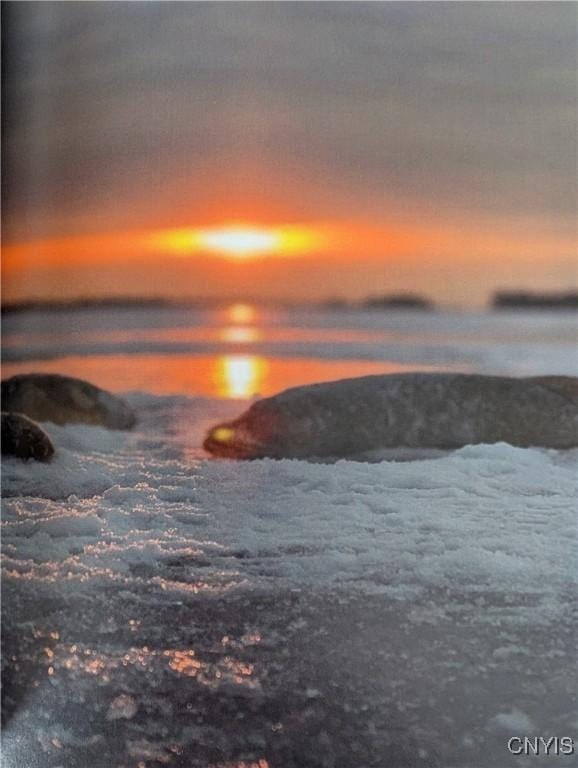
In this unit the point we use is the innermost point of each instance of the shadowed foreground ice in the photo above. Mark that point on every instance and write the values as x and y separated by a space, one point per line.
162 609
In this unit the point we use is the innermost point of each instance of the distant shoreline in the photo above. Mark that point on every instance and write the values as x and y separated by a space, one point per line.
523 300
146 302
48 305
500 300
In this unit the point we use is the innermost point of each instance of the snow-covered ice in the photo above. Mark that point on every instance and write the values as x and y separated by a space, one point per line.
166 609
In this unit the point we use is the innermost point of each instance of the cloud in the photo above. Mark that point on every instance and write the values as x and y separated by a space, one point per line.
120 110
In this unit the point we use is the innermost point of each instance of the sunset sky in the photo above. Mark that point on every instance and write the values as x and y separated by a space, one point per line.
289 150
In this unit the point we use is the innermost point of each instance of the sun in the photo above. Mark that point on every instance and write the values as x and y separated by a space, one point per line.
239 242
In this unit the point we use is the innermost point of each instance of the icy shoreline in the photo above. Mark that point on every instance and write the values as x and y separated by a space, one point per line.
137 498
400 613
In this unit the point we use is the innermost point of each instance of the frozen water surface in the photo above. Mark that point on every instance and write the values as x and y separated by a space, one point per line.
165 609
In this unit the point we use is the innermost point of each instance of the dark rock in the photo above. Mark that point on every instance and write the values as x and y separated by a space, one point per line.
64 400
22 438
398 301
406 410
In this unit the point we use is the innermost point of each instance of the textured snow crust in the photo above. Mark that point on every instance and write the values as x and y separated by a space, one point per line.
198 612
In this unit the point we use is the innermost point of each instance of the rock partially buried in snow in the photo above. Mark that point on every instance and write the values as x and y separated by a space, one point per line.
64 400
24 439
415 410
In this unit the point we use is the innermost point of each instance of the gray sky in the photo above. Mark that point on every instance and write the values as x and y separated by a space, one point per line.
123 115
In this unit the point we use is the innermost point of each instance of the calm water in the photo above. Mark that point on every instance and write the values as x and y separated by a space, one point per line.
242 350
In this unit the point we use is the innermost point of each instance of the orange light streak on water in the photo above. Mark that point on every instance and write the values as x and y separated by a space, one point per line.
228 376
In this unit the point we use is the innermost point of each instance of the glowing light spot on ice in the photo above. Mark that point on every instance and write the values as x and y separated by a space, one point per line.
223 434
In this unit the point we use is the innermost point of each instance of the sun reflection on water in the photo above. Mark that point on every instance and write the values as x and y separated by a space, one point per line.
240 376
239 334
217 358
242 314
184 662
77 658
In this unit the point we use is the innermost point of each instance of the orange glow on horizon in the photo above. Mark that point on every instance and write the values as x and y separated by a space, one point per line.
267 259
234 242
345 241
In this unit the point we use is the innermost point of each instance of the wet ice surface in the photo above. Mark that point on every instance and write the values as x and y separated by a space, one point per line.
162 609
242 350
298 679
